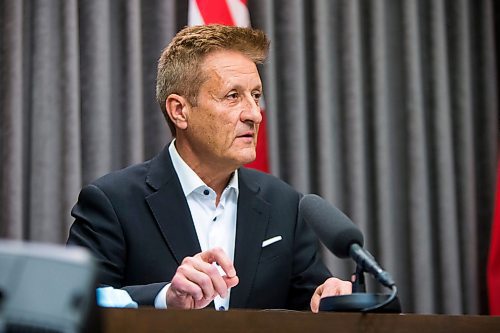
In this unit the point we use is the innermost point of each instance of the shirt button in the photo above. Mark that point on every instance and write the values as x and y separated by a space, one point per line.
206 192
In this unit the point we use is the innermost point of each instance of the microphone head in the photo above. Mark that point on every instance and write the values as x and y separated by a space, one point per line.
335 230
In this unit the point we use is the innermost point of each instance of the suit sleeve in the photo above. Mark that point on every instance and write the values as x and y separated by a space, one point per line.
308 268
97 228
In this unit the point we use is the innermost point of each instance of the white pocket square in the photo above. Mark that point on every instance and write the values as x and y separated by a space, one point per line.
272 240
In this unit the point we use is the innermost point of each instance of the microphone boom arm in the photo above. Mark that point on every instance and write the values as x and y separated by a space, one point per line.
367 263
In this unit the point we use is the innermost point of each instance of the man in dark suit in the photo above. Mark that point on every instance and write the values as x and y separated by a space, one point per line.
192 226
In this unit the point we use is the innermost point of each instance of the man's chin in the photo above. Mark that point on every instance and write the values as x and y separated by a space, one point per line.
249 162
243 156
244 160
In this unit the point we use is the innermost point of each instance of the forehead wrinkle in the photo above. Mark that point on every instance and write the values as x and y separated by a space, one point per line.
221 75
237 82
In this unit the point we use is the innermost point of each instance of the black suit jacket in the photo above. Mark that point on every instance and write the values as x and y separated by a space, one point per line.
137 223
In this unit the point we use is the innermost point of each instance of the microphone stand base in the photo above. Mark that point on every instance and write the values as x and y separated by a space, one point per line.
356 302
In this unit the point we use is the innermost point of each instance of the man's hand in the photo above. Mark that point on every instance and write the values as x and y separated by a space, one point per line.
331 287
197 281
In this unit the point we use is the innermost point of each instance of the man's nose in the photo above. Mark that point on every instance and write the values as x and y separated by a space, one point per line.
252 112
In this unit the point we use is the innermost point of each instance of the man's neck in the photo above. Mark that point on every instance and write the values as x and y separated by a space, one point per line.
215 176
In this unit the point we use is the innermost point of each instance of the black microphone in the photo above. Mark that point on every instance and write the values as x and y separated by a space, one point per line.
337 232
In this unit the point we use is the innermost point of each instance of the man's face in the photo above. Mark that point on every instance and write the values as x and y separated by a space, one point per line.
222 128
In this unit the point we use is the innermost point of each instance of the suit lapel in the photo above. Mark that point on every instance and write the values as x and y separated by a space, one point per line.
252 221
170 208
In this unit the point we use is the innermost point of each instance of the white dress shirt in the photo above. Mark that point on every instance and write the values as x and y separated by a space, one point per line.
215 224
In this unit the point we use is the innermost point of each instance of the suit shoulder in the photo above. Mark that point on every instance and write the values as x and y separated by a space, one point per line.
133 174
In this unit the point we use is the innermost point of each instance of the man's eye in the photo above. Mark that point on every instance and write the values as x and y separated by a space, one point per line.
257 96
232 96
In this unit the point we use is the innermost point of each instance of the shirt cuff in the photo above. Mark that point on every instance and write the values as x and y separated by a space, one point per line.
161 298
114 298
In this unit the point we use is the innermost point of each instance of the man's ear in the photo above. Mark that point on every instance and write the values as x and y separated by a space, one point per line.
177 107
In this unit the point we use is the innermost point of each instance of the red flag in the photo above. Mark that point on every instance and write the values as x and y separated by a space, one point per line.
231 12
494 256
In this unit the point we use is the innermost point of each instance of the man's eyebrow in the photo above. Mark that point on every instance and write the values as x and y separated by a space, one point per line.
230 86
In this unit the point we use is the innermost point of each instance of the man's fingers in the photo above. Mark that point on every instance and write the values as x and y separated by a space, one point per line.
334 287
183 287
206 276
331 287
231 281
200 278
218 256
316 298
